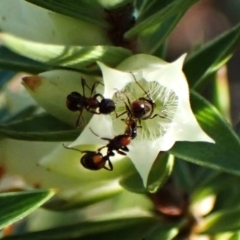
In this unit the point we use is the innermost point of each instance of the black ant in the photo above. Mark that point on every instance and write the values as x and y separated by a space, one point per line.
77 102
94 160
141 108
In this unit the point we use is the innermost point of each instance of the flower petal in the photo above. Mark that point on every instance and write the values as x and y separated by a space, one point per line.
113 79
100 124
143 154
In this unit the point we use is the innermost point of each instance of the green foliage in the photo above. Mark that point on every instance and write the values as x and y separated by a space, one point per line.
75 9
114 204
77 57
210 57
42 127
15 62
224 154
16 205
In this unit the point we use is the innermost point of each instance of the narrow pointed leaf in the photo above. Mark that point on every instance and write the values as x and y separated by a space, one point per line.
169 11
182 175
124 227
149 8
26 112
224 154
5 76
164 231
215 185
42 127
15 206
84 196
210 57
78 57
12 61
221 221
158 175
151 39
89 11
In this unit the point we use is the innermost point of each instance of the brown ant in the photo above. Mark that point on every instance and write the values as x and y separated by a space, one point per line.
119 143
141 108
93 160
77 102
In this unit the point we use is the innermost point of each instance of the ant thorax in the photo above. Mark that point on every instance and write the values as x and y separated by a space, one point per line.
151 105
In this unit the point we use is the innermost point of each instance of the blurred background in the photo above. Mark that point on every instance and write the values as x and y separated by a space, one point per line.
203 22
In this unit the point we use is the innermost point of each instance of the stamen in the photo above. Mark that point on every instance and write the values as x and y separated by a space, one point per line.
166 105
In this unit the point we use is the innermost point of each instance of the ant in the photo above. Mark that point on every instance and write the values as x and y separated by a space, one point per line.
77 102
93 160
141 108
119 143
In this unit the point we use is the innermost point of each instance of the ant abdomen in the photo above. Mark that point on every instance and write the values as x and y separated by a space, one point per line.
93 160
107 106
74 101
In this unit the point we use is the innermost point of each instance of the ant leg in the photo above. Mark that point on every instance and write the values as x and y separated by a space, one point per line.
101 148
78 119
128 110
92 88
121 152
92 111
117 116
109 164
83 82
125 148
157 115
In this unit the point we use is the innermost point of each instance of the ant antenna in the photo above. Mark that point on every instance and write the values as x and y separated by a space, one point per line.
140 85
72 148
94 133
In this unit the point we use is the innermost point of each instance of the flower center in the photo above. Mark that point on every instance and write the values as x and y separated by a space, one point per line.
153 105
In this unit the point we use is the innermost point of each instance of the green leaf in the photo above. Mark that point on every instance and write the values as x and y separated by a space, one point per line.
89 11
12 61
224 155
14 206
123 227
232 191
170 10
210 57
182 175
42 127
213 186
84 196
150 7
78 57
158 175
166 231
26 112
153 37
221 221
5 75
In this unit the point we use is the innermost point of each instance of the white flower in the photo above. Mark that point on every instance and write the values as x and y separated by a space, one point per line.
172 118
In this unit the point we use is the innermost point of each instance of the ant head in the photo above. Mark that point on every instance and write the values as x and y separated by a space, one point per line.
107 106
73 101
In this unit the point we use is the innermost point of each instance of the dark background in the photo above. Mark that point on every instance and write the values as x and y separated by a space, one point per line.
203 22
